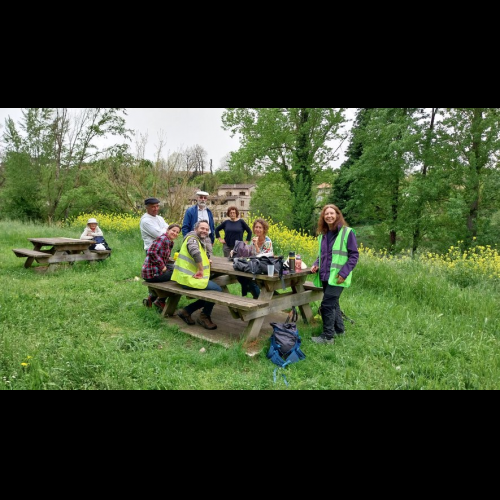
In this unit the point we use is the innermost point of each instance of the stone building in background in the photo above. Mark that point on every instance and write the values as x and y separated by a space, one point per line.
227 195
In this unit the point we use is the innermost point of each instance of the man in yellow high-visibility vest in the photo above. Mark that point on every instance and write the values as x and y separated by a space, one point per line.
192 271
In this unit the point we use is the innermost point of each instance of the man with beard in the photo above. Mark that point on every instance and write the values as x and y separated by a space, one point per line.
198 212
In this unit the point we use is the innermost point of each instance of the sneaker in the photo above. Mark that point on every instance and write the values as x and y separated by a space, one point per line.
159 303
185 316
148 302
206 322
322 340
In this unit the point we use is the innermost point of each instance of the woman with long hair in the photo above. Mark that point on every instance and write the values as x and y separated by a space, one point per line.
338 256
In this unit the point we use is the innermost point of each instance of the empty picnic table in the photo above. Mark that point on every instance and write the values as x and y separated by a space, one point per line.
52 252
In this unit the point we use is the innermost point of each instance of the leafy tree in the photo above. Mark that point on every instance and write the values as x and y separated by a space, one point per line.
341 192
470 142
381 175
54 149
296 142
272 199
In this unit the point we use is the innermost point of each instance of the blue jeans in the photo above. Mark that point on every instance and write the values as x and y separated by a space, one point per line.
207 306
248 285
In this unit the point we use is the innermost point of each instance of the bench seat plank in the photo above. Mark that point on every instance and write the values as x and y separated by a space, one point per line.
25 252
221 298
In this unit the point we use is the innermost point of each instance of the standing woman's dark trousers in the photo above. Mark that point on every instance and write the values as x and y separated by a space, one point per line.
333 324
226 250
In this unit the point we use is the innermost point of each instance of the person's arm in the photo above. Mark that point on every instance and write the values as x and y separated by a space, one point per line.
154 254
218 229
352 256
212 225
193 247
186 223
247 229
85 235
151 230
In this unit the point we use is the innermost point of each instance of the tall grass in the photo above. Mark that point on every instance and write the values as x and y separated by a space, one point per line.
84 327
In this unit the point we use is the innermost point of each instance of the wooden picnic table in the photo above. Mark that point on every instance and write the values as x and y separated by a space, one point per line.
254 313
60 250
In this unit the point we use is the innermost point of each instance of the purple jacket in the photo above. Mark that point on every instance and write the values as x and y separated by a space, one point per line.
326 254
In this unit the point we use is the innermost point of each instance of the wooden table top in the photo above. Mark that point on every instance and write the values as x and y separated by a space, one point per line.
59 241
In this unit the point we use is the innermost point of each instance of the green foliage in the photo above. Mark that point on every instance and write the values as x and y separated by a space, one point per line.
272 197
296 142
51 151
20 198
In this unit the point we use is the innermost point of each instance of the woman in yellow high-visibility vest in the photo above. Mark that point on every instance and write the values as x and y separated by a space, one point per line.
338 256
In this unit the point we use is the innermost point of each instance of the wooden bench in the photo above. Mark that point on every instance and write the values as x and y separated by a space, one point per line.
102 252
173 292
309 285
40 257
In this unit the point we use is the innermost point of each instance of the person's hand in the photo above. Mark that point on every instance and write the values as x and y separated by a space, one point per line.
314 269
198 275
222 240
164 270
340 280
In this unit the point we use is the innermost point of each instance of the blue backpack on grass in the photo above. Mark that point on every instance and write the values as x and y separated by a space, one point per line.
285 346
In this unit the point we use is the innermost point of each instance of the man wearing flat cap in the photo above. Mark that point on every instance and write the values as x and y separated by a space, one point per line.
152 225
198 212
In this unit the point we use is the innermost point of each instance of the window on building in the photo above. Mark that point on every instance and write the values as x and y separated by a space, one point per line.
242 193
242 203
229 193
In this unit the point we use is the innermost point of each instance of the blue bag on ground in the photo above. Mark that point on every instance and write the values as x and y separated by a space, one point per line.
285 346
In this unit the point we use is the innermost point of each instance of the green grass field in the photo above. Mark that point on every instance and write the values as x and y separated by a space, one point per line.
84 328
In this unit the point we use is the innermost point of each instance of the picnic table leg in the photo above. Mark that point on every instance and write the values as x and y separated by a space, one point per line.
254 326
171 305
305 311
30 260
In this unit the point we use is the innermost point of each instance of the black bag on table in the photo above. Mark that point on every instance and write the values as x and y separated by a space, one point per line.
258 265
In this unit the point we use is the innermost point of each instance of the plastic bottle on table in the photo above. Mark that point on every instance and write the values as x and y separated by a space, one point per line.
298 263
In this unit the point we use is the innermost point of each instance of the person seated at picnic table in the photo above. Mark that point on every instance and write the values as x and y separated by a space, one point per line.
262 245
192 271
93 232
157 267
234 228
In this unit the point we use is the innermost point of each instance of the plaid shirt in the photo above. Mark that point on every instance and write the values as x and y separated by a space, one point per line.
157 257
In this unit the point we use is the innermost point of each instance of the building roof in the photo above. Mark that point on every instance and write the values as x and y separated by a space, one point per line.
237 186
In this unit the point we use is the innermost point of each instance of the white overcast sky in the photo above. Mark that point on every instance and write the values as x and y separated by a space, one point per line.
180 128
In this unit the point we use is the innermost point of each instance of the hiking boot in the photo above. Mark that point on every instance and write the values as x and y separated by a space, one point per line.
322 340
148 302
160 304
206 322
185 316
